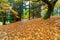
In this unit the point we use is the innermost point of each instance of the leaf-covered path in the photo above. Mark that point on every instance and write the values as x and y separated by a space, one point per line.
35 29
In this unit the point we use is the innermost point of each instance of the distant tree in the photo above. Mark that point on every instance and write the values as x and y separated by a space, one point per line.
36 8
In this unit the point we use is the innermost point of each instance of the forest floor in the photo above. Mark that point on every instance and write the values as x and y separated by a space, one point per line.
34 29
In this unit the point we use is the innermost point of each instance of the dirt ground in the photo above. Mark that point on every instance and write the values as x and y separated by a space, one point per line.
35 29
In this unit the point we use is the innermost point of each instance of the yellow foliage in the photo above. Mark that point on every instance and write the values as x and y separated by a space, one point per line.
5 0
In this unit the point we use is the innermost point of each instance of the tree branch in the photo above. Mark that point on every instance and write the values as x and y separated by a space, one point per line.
46 1
54 1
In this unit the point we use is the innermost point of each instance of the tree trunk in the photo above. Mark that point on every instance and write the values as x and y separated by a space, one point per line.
49 12
51 5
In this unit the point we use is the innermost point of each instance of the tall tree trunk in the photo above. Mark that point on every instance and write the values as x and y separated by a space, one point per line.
51 5
49 12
